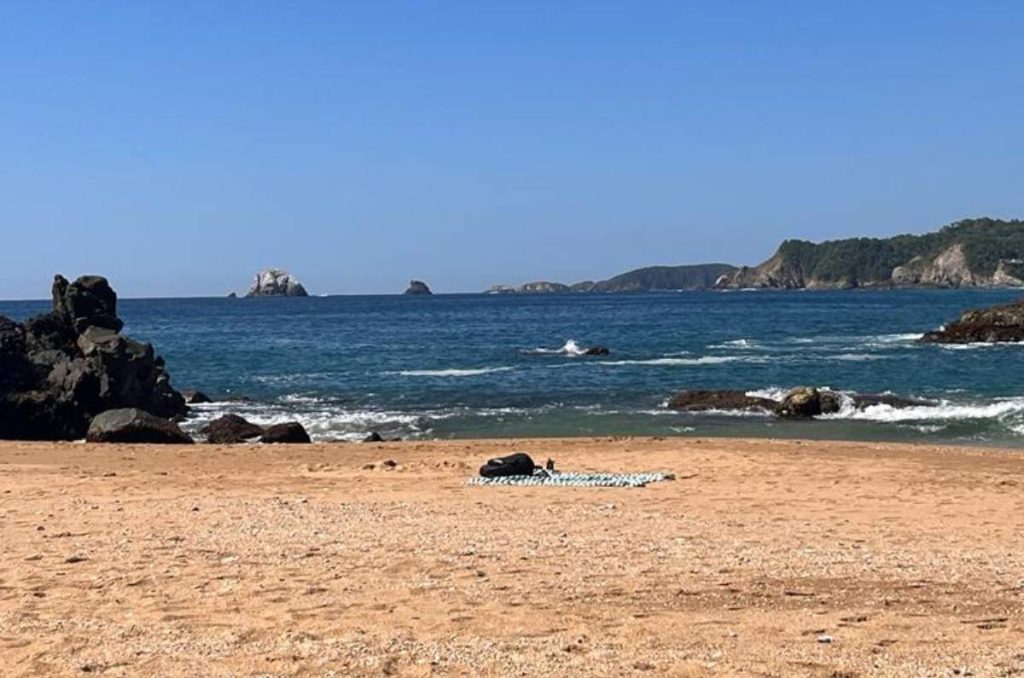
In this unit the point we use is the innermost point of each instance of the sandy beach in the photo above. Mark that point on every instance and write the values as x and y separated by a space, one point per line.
767 558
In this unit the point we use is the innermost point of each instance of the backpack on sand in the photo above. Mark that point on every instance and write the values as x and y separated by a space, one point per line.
518 464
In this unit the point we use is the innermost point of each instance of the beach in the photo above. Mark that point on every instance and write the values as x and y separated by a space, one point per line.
762 557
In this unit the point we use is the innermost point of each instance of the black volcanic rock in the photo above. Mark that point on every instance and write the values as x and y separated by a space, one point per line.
194 397
132 425
596 350
997 324
418 287
723 399
230 429
289 432
66 366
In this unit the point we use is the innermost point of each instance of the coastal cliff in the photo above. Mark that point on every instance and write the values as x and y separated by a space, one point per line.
969 253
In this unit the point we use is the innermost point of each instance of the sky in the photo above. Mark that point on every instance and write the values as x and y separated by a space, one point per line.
179 147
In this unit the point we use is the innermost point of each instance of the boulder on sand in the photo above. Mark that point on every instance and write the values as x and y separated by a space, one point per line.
132 425
997 324
229 429
62 368
289 432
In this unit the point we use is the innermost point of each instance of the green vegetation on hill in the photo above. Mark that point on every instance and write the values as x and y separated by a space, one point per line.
700 276
871 261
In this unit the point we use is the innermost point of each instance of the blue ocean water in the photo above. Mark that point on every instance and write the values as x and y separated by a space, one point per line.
477 365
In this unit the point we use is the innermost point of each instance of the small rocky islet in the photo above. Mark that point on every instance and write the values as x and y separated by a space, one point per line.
418 288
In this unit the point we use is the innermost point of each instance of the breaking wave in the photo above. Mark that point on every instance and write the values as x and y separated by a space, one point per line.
452 372
570 348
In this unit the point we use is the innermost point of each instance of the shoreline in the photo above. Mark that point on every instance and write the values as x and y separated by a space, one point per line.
765 556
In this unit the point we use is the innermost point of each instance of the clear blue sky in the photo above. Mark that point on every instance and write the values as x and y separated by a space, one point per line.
176 147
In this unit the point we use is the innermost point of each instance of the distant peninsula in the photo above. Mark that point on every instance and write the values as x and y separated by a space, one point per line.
979 252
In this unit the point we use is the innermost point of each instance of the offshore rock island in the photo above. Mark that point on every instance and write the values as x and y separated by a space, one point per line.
978 253
274 282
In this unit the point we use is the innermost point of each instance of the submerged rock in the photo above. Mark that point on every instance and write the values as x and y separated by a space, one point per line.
1004 323
418 287
62 368
274 282
723 399
596 350
132 425
229 429
289 432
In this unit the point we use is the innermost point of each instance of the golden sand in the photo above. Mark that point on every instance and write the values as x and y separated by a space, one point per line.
767 558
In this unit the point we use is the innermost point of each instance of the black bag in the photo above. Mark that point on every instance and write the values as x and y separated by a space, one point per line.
518 464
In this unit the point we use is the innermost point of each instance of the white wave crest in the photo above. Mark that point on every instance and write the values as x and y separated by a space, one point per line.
705 360
775 393
452 372
941 411
570 347
737 343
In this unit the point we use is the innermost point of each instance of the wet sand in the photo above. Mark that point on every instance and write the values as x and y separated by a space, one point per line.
766 558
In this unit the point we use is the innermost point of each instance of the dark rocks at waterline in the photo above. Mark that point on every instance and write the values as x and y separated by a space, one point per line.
289 432
62 368
704 400
998 324
194 397
596 350
376 437
418 287
231 428
799 403
132 425
806 402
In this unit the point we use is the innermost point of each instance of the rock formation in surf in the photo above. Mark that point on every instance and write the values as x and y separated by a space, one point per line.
62 368
274 282
1004 323
803 402
418 287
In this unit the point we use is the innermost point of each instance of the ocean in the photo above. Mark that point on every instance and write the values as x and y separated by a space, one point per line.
458 366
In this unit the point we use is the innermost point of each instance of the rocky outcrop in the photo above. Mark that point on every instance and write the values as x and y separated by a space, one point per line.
193 397
806 402
727 400
289 432
1003 323
418 287
132 425
62 368
948 269
230 429
273 282
803 402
